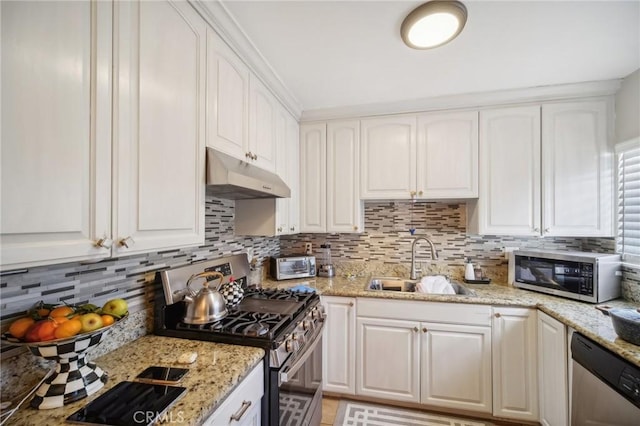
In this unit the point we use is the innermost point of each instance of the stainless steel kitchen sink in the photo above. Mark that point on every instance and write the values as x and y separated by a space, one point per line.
408 286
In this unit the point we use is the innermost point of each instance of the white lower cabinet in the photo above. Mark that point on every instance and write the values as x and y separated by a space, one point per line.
243 406
339 345
552 371
456 366
437 354
388 359
515 394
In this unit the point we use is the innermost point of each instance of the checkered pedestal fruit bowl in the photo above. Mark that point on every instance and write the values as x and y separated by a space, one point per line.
74 378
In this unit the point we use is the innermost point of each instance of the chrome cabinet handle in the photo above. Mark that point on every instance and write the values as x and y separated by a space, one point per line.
127 242
238 415
104 243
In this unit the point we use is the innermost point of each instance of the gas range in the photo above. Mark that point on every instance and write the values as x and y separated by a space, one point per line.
287 324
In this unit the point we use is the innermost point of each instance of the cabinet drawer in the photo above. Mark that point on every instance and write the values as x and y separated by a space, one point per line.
250 391
453 313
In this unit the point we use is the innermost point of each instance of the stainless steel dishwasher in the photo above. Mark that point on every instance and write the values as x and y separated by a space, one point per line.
605 387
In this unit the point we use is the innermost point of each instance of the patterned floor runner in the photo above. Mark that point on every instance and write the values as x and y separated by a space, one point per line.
352 413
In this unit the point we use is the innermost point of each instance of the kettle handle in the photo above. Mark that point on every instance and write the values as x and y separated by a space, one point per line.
203 275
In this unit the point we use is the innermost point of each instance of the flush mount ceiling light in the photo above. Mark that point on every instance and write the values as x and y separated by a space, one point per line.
433 24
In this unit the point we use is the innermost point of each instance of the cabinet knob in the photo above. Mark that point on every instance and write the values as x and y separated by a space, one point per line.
247 155
351 304
355 227
254 156
412 193
293 228
127 242
104 242
546 230
536 229
280 229
415 329
420 193
424 329
497 315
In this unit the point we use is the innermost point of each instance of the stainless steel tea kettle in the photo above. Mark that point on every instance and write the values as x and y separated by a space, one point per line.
207 305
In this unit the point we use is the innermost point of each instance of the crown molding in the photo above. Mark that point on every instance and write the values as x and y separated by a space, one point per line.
469 100
223 23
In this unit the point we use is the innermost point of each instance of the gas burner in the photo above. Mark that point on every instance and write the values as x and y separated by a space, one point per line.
256 329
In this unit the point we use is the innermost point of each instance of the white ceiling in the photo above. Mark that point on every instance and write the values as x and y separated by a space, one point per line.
343 53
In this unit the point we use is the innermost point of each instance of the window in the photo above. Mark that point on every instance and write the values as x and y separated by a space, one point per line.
629 200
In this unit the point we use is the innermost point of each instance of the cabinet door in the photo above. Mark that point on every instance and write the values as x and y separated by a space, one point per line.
515 393
577 169
293 173
388 157
339 345
282 169
388 359
456 366
313 178
344 208
159 134
56 131
227 99
552 371
262 110
509 198
447 154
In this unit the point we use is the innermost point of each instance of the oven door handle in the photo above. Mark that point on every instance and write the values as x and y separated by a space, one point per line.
286 375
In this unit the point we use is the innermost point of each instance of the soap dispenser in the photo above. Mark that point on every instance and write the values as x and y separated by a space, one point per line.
469 274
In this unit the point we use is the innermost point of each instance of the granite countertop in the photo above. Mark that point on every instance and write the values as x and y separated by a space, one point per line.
208 383
581 316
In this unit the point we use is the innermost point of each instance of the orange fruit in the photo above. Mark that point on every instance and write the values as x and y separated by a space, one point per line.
41 331
107 320
19 327
43 312
59 320
68 329
61 311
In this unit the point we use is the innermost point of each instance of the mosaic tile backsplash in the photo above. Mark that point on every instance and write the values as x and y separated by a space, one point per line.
387 243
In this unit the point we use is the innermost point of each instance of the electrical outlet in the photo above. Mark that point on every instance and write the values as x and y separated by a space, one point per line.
308 248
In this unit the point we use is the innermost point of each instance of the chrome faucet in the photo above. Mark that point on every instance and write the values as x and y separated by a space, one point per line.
434 255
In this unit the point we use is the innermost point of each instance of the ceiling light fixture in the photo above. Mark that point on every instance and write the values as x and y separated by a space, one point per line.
433 24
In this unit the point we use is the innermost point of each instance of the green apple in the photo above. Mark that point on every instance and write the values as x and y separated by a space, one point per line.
115 307
90 322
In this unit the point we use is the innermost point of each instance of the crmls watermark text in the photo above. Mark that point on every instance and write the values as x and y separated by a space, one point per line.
146 417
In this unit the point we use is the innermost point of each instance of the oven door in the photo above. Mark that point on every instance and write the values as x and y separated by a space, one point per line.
300 386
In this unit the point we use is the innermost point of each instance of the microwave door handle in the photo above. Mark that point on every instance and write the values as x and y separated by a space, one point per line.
286 375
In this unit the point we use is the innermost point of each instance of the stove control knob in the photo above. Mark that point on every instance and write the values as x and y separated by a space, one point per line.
308 325
288 345
318 313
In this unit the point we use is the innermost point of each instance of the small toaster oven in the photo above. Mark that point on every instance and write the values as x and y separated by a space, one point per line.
288 267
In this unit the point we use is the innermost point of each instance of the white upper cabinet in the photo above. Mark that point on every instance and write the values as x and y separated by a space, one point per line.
553 182
509 202
577 169
313 177
262 115
288 168
329 178
388 157
431 156
447 155
227 98
56 132
159 135
345 211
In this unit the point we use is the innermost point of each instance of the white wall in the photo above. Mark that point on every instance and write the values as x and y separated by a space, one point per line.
628 108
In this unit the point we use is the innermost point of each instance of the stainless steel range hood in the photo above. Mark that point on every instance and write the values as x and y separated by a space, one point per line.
228 177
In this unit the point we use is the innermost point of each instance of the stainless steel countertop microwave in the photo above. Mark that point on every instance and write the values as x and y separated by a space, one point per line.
584 276
289 267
